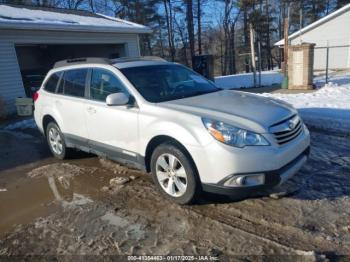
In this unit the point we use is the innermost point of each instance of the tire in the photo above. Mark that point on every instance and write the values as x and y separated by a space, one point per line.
59 151
174 174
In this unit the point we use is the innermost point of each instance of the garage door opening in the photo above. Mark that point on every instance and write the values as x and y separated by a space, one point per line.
36 60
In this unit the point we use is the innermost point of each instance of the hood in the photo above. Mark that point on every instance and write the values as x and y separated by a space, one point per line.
241 109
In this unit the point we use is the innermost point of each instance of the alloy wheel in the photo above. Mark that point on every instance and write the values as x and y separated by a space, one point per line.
171 175
55 141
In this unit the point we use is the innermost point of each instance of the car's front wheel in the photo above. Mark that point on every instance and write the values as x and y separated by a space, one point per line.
174 173
56 141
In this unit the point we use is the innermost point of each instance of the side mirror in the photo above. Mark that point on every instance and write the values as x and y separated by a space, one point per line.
117 99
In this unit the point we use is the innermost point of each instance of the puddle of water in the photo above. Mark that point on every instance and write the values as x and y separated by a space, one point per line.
27 198
21 203
36 184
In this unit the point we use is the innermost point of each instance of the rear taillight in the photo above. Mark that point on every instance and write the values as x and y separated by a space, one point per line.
35 96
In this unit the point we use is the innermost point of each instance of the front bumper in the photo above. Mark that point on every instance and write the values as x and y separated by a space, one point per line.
272 178
217 161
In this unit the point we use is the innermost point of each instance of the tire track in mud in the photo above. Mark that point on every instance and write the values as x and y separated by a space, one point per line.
286 237
296 242
233 223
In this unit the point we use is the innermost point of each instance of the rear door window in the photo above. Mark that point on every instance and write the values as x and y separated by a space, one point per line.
73 83
104 83
51 84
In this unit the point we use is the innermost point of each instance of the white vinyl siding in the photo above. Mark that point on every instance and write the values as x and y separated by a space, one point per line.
11 85
334 32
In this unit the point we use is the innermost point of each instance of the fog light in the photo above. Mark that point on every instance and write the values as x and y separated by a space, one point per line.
246 180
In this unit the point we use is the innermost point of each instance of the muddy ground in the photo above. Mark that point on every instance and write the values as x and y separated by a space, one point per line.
73 207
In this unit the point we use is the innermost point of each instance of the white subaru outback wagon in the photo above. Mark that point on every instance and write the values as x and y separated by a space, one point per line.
164 118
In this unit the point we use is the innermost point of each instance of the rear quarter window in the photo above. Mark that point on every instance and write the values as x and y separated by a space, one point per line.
52 82
73 83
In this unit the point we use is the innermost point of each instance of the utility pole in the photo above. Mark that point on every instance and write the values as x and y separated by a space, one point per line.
286 25
259 57
285 71
252 48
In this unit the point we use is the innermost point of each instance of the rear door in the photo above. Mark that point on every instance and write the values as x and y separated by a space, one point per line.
69 102
111 129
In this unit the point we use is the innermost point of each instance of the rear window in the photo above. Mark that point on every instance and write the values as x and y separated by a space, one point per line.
73 83
51 84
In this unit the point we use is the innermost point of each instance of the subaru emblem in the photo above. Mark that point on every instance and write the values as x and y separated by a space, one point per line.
291 124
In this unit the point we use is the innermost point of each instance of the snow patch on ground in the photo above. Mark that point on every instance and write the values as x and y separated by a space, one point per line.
24 124
327 108
268 78
338 78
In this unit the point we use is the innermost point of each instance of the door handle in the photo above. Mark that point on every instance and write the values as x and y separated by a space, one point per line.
91 110
58 103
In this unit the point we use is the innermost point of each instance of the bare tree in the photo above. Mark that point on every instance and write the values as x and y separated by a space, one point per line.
183 37
199 26
190 26
170 27
91 4
231 15
268 44
74 4
160 35
245 33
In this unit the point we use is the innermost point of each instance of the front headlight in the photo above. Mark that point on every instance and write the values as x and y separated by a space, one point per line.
233 136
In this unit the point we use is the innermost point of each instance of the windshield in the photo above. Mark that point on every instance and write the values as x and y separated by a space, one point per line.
161 83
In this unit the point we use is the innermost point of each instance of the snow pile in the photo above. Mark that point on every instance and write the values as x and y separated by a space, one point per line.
327 108
11 14
24 124
338 78
268 78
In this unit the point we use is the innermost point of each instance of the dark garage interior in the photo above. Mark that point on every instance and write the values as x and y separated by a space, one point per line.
36 60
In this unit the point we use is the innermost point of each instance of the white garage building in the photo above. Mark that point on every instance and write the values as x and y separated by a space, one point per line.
332 30
33 39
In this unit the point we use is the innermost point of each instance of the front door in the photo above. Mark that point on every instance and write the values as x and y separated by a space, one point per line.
112 130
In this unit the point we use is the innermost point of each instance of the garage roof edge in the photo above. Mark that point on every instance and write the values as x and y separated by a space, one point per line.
74 28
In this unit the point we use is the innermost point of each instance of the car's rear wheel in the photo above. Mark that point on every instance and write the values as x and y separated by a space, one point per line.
174 174
56 142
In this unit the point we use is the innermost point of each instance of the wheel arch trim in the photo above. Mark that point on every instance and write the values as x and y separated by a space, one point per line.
161 139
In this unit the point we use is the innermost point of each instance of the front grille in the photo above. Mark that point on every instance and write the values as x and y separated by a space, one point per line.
288 130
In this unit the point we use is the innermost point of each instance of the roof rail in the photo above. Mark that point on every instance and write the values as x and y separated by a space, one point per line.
137 58
83 60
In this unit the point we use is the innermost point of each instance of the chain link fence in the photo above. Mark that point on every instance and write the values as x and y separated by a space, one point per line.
330 60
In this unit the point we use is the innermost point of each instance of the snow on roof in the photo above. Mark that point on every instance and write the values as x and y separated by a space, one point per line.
316 24
14 17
